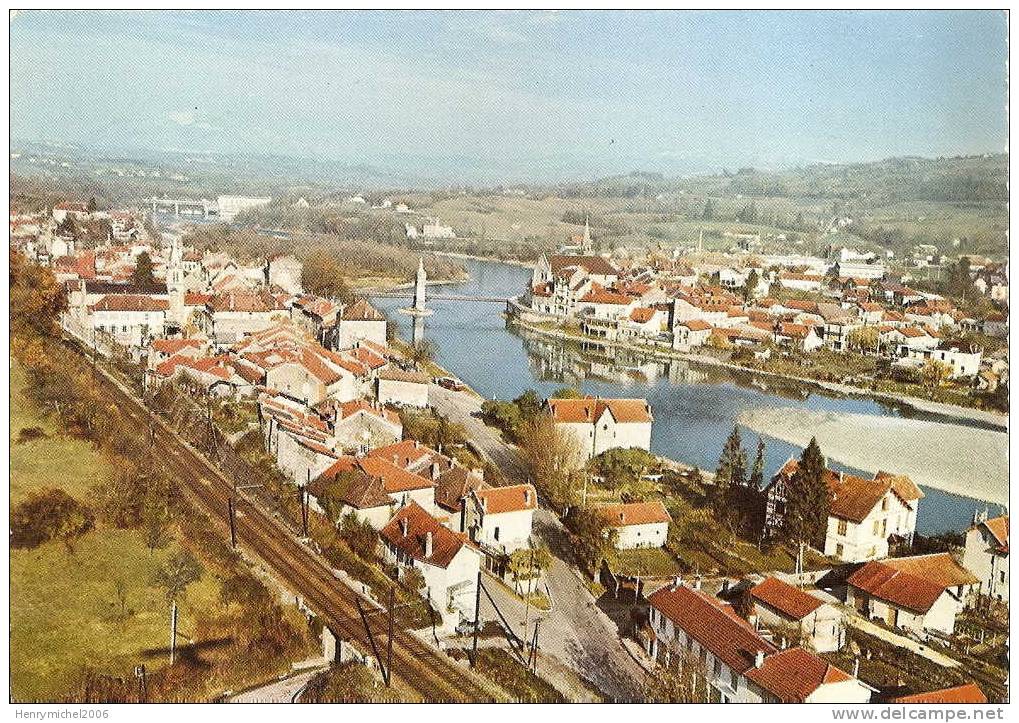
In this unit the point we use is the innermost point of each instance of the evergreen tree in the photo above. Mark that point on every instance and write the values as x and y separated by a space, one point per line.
92 205
142 274
808 499
731 473
757 475
709 210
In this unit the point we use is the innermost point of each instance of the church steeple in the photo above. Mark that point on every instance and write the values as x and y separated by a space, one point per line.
587 235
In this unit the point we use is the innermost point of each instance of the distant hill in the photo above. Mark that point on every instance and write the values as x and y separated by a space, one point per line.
963 179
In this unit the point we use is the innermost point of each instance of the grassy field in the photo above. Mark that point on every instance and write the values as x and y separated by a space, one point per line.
66 613
55 460
65 609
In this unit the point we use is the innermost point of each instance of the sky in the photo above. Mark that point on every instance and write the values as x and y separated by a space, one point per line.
529 93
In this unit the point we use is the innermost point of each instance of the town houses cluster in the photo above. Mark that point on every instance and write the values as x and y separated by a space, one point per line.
331 394
846 301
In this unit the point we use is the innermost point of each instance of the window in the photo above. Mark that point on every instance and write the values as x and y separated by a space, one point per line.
496 534
884 504
718 668
733 680
838 550
843 526
877 527
1001 575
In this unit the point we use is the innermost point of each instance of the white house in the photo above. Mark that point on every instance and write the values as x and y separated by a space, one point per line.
228 317
800 282
963 362
406 389
866 516
360 322
918 594
729 659
603 424
690 333
499 518
447 560
986 556
131 319
363 425
637 524
787 610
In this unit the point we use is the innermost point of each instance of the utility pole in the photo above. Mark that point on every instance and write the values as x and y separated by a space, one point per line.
302 497
389 639
534 647
477 621
233 522
173 631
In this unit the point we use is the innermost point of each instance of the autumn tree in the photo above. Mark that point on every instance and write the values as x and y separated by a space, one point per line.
422 353
592 537
808 499
323 275
864 338
555 458
49 514
934 373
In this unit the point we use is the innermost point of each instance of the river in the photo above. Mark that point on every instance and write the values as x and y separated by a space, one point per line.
695 406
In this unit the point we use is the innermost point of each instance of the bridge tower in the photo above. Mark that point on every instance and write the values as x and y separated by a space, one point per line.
420 280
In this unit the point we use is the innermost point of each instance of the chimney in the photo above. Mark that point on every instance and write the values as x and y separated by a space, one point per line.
435 470
622 517
725 585
417 444
403 526
527 497
428 544
677 581
759 659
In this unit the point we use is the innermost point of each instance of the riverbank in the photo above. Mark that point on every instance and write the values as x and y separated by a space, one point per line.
507 262
949 411
950 457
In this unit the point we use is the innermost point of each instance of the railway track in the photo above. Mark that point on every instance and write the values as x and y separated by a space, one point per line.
429 673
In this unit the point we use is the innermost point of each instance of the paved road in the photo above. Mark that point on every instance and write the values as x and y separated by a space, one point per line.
575 631
460 407
278 691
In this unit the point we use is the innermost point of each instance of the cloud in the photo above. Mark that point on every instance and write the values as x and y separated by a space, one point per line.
183 117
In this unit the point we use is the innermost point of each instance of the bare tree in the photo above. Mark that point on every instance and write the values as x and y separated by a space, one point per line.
555 458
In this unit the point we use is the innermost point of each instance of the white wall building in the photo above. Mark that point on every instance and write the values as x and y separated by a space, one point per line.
731 662
603 424
637 524
986 557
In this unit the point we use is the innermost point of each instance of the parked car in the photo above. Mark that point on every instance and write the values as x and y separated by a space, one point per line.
450 383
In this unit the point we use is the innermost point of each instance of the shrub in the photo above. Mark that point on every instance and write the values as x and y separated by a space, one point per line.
49 514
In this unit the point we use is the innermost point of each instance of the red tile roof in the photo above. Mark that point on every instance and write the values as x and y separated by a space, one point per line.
713 624
695 324
173 346
514 498
998 526
590 409
592 264
914 583
642 314
634 513
793 675
130 302
786 599
408 532
968 693
361 310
